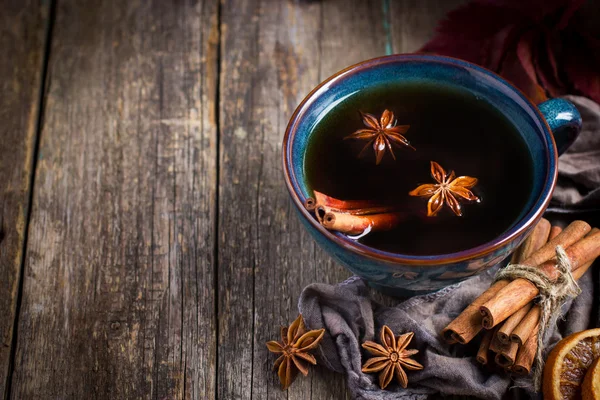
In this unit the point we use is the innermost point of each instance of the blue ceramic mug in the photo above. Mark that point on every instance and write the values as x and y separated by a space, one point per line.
548 129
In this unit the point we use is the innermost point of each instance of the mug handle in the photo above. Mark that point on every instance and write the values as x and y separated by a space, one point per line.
564 121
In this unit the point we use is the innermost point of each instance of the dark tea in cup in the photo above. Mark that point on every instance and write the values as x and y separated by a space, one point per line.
462 133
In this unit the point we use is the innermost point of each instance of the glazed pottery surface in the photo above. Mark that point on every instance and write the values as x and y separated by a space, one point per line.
404 275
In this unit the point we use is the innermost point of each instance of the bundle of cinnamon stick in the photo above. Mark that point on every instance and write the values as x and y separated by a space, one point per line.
353 217
507 311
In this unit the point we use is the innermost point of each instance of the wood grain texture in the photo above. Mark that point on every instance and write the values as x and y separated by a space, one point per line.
273 54
118 298
413 22
132 250
23 30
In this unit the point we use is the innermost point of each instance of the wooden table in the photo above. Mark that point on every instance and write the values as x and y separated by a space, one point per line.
148 248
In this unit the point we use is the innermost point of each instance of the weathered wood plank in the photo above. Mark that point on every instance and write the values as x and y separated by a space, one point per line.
273 54
23 31
412 22
118 294
350 34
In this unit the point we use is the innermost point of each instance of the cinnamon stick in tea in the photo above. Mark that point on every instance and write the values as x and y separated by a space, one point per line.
468 324
520 291
356 211
526 354
358 224
331 202
511 323
320 212
310 204
521 333
484 347
323 205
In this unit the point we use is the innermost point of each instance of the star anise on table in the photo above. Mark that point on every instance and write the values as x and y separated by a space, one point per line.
295 345
448 189
381 134
392 358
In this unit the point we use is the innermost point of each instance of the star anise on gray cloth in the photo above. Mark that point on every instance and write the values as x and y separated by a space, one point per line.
381 133
295 345
391 357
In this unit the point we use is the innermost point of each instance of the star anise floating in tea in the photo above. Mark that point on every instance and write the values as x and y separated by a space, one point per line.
381 134
295 347
391 358
448 189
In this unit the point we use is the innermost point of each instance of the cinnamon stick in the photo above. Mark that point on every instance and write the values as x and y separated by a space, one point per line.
521 333
537 238
337 204
310 204
357 211
578 273
496 346
518 336
583 269
511 323
571 234
507 356
579 254
358 224
526 354
482 354
320 212
520 291
554 231
469 323
324 205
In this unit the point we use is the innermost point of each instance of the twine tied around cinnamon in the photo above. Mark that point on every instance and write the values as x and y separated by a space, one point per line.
553 294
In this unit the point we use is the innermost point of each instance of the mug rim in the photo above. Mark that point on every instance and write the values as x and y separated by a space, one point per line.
532 216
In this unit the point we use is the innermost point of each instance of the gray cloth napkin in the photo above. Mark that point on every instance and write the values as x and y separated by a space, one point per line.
578 186
352 313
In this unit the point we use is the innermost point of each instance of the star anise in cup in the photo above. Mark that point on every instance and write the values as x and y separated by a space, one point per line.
391 358
448 189
381 134
295 345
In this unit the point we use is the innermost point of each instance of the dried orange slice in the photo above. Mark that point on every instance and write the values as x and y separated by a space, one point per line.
590 390
568 363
